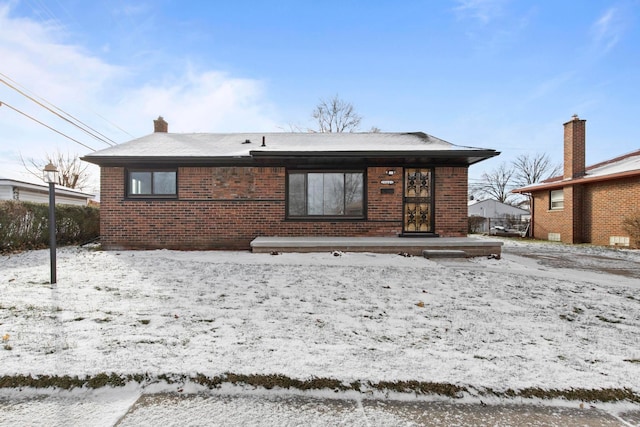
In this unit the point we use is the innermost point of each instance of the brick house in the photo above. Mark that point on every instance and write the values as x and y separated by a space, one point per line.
221 191
586 204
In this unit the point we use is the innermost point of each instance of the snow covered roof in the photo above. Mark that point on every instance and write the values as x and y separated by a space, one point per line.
624 166
495 206
163 146
626 163
41 186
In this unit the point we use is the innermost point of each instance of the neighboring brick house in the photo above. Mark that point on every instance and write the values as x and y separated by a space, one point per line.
220 191
586 204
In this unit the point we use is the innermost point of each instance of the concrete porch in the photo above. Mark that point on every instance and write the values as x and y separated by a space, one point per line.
429 247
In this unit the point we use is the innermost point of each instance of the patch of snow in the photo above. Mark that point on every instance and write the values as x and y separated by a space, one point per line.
500 324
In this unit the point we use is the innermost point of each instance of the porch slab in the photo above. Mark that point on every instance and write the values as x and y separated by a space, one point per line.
409 245
443 253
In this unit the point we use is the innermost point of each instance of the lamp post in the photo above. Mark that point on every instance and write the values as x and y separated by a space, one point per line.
50 172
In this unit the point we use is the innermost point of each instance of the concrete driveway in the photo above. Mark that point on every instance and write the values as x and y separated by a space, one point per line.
556 256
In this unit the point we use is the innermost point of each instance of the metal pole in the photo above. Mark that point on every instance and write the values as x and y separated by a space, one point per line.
52 229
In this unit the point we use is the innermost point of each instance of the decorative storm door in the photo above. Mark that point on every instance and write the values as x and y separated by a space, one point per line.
418 212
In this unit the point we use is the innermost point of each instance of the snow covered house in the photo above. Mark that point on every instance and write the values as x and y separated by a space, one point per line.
496 214
586 204
28 191
222 191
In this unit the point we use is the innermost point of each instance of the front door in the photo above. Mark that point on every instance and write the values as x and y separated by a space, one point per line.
418 207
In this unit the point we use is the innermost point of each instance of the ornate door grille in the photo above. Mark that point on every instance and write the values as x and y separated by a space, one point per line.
418 212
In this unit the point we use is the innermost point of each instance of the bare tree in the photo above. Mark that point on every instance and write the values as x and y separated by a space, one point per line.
532 169
72 172
497 184
336 115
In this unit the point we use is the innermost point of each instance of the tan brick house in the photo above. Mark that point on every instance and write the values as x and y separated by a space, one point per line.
221 191
586 204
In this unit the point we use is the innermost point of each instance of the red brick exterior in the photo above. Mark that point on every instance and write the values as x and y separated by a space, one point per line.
604 205
451 199
594 209
574 147
610 203
227 207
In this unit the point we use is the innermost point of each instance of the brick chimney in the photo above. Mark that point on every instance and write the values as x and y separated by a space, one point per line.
160 125
574 147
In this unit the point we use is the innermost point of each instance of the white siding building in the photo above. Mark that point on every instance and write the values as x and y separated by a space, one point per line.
12 189
496 214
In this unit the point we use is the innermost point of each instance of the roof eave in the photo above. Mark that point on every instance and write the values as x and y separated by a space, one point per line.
165 160
467 157
576 181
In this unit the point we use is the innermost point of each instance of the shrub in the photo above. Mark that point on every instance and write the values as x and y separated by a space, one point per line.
631 224
25 225
475 223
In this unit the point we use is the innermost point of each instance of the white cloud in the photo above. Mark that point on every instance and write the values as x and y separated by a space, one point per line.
209 101
607 30
41 57
41 60
491 25
549 86
482 10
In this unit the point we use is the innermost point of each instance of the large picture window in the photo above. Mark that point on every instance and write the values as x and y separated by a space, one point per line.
326 194
151 183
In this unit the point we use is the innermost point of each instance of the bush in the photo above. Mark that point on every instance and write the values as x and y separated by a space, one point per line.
631 224
475 223
25 225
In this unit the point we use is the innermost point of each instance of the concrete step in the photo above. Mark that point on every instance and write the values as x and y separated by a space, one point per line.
443 253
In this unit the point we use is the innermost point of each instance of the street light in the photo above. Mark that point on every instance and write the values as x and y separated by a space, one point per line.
50 173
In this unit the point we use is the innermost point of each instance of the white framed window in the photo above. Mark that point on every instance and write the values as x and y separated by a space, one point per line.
556 199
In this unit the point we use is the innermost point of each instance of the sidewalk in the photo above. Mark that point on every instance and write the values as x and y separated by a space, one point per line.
304 411
273 409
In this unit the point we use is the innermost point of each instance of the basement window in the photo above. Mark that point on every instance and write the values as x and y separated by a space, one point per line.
556 200
152 183
335 194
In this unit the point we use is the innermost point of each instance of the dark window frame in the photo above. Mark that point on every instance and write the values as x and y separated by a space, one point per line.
320 217
152 194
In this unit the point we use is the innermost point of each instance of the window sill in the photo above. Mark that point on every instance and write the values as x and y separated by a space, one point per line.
325 218
151 197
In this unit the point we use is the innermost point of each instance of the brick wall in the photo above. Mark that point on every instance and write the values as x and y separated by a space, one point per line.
604 205
546 220
574 147
227 207
451 201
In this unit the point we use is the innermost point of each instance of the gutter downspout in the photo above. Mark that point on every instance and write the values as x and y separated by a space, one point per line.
531 221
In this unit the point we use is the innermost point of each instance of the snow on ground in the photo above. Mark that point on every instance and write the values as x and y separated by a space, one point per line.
500 324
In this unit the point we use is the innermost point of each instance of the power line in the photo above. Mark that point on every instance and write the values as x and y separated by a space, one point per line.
38 10
45 125
112 124
35 4
82 126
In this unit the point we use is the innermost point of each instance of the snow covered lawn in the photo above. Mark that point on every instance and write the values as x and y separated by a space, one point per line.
497 324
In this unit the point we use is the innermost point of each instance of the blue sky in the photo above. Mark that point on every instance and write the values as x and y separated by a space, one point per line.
487 73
